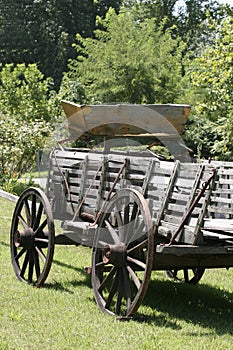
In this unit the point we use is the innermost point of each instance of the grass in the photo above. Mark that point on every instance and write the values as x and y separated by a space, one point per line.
63 314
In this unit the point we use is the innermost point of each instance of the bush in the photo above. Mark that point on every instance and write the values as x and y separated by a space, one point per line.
19 143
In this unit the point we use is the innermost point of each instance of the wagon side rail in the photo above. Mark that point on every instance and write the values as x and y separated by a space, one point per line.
184 204
212 244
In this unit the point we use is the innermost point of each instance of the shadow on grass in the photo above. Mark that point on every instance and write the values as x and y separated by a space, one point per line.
64 286
202 305
5 244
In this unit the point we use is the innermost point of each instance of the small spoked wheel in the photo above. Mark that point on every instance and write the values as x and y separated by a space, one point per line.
191 276
32 237
123 253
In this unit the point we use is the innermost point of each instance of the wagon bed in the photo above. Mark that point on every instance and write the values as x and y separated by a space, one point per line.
137 213
168 187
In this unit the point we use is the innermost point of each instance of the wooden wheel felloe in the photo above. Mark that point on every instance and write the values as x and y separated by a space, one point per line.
32 237
191 276
122 255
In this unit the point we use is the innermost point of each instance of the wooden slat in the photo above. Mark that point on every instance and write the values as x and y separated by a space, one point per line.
220 210
167 193
192 250
220 200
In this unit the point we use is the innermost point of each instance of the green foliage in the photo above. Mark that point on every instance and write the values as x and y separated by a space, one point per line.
19 143
16 186
128 61
42 32
25 92
28 110
212 88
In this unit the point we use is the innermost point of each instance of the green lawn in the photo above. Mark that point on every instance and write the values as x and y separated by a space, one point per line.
63 314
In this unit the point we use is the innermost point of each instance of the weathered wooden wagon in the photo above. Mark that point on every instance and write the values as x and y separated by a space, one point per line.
137 212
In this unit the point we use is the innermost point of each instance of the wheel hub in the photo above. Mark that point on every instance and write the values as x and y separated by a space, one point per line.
24 238
115 255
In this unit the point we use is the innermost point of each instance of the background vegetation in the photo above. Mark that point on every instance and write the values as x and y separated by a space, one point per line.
63 314
96 51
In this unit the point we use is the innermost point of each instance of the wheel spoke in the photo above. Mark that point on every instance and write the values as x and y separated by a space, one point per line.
191 276
112 232
41 254
137 262
112 291
126 215
27 211
36 262
41 227
31 267
141 245
134 277
22 221
33 210
38 216
25 263
186 275
107 279
22 251
126 283
137 233
134 212
120 293
119 224
43 240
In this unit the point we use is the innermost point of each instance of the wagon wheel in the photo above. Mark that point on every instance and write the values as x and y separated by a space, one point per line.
32 237
122 255
191 276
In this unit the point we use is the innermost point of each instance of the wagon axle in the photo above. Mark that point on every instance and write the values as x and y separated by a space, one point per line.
115 255
24 238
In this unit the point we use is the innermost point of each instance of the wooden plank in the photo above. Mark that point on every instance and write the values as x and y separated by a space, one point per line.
184 183
225 171
220 209
168 191
176 209
185 236
221 200
218 224
180 196
217 236
66 162
159 179
162 171
222 181
193 250
222 191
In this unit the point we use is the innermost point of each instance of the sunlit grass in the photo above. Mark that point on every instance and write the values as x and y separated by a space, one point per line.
63 314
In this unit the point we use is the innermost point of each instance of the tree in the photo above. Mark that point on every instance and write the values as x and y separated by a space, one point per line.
187 19
128 61
212 85
24 92
192 21
42 32
20 141
28 111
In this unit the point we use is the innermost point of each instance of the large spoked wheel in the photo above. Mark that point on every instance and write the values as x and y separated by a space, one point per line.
32 237
191 276
123 253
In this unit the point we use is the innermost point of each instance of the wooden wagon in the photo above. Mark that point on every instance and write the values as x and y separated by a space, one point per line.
137 212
